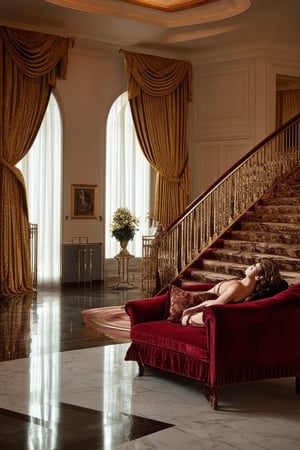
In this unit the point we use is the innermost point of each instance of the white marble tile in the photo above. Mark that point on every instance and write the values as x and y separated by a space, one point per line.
263 415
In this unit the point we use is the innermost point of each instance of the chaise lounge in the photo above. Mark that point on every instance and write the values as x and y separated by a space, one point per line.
239 343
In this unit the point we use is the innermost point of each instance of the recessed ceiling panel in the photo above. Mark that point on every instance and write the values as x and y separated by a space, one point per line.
170 5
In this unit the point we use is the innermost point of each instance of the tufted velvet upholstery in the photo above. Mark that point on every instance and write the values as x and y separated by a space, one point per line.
240 343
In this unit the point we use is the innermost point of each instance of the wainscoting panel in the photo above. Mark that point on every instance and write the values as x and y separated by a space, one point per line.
224 103
212 159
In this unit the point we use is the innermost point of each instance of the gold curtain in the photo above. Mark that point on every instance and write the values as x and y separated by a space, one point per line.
159 90
288 105
30 62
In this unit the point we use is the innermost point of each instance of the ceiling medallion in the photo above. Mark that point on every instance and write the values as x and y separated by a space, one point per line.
170 5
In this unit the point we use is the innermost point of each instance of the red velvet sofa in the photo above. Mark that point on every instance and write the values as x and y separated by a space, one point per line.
239 343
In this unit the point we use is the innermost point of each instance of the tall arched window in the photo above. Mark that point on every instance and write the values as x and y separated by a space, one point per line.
127 175
41 168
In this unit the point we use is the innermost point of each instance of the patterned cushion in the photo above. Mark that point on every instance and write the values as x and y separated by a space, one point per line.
181 300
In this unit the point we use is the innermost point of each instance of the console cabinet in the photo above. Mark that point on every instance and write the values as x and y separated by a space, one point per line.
82 263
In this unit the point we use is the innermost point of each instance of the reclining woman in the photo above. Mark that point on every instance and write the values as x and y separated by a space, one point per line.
260 278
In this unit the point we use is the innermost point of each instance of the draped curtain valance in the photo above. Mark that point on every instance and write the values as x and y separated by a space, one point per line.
154 75
159 90
30 63
36 54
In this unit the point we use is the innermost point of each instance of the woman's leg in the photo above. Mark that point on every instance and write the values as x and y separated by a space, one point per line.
196 320
189 314
185 319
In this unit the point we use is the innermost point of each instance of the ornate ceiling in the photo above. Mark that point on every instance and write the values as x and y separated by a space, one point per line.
163 13
184 27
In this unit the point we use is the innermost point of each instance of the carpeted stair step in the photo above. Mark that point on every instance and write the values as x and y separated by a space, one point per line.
225 270
286 190
264 248
277 200
247 258
291 186
274 217
277 209
271 227
289 191
265 236
205 276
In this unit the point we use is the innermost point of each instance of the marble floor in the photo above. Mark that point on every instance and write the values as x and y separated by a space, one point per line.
64 387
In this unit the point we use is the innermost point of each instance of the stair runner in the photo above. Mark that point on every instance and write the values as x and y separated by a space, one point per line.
271 229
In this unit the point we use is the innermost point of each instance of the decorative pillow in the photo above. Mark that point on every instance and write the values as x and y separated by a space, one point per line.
181 300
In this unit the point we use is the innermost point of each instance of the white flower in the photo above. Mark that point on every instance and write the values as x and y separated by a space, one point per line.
124 224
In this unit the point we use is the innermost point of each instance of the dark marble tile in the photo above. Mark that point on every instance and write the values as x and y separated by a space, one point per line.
75 428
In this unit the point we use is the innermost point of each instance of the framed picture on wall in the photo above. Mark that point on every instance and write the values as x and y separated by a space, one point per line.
84 200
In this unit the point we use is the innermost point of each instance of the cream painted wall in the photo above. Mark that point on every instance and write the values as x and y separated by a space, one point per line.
94 81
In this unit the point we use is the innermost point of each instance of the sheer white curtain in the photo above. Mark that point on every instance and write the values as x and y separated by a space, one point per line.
41 168
127 175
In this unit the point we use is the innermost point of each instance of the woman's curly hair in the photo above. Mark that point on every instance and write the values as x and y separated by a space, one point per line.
270 281
269 273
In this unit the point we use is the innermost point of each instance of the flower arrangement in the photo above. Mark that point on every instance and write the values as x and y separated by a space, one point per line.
124 225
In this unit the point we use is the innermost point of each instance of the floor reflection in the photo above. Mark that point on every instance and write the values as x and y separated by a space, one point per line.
15 322
44 374
24 317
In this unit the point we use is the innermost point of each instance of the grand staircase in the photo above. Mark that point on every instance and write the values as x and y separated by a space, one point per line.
271 229
252 211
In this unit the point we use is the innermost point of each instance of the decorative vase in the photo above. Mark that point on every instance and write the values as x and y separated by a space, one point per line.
123 252
123 258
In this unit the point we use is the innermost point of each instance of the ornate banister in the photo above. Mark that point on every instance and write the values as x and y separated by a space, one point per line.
209 216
